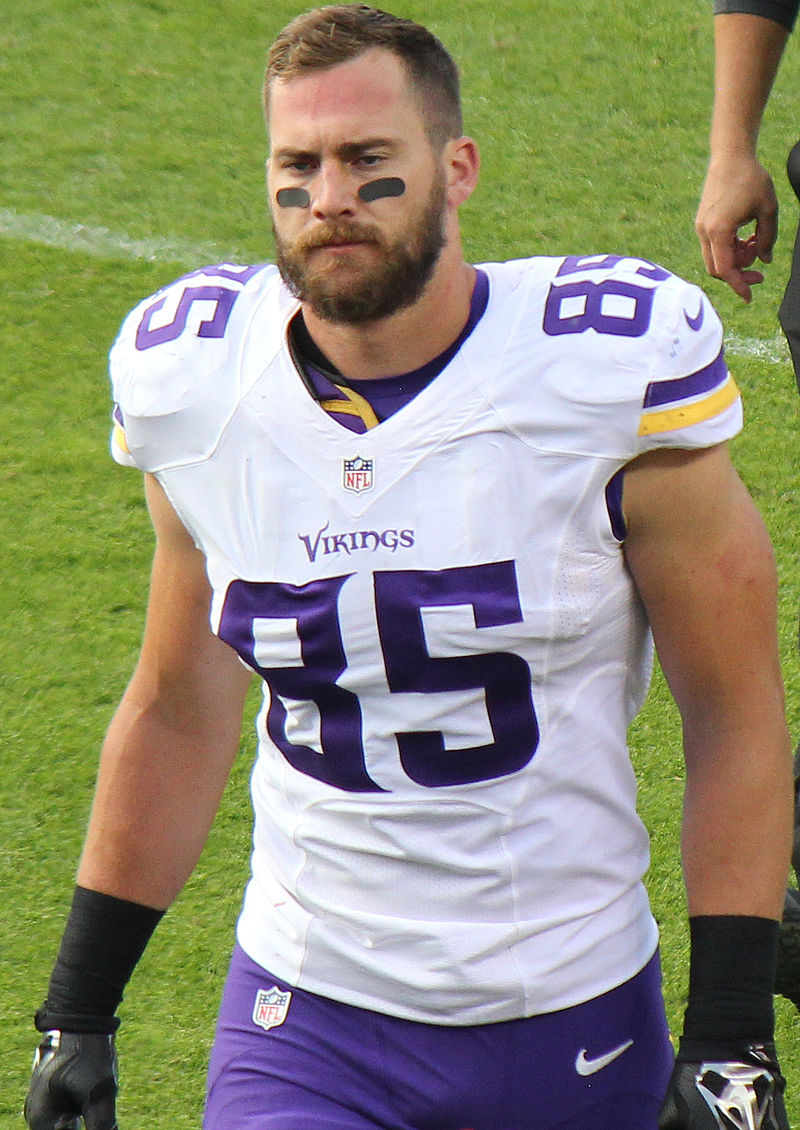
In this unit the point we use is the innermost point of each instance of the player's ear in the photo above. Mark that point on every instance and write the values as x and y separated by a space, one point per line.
462 163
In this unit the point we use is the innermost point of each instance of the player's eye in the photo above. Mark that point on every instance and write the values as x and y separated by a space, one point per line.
299 165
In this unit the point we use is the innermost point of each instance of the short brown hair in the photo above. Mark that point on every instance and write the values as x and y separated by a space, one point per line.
325 37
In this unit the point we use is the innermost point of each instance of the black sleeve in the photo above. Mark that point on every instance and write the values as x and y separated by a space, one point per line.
781 11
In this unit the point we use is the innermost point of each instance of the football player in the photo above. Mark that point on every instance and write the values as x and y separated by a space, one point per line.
441 511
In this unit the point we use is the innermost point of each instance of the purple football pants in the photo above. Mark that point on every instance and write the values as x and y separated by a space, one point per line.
305 1062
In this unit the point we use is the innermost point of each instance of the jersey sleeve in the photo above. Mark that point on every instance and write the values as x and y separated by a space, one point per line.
174 367
611 357
691 400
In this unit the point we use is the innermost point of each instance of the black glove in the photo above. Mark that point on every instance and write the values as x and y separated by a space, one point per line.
74 1076
711 1094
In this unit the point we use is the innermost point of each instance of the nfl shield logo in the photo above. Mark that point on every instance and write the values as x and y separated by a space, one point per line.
271 1007
357 474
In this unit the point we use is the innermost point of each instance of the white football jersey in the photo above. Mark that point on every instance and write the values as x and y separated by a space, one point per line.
451 646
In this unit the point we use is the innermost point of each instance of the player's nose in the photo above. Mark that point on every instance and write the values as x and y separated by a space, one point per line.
333 192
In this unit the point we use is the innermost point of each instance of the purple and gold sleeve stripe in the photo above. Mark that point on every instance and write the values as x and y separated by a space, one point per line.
671 405
119 440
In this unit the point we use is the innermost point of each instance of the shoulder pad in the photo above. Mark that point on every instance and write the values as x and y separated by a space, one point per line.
175 366
621 356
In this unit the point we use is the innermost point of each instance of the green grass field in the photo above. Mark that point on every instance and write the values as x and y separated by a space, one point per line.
131 149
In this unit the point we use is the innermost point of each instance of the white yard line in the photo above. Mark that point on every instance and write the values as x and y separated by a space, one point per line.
773 351
101 242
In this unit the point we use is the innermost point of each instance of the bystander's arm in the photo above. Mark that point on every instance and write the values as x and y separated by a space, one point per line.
737 189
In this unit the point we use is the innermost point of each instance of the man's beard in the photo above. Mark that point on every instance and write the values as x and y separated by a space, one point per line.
341 293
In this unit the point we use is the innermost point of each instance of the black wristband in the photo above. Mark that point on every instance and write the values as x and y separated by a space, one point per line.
103 940
755 1054
731 980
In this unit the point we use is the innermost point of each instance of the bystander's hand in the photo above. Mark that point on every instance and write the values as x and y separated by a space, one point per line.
738 191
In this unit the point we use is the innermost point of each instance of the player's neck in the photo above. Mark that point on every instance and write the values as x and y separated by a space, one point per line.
407 339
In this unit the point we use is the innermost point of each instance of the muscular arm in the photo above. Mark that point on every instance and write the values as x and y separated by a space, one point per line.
171 744
738 190
703 565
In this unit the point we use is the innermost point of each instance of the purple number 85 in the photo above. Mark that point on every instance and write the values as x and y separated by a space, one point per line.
222 296
308 671
573 308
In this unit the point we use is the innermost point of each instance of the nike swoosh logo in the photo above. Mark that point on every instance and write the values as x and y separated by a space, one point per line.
586 1066
696 322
